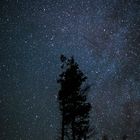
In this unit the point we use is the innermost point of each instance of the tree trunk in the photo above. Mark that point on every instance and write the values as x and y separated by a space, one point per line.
62 129
73 129
85 137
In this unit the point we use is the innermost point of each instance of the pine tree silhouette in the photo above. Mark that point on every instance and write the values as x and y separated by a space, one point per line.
105 137
125 137
73 101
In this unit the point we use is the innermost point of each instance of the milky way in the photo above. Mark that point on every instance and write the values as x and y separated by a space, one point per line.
103 36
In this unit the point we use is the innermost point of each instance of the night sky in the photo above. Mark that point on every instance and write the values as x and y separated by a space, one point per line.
104 38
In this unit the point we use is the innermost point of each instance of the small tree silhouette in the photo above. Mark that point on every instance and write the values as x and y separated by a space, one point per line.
125 137
73 100
105 137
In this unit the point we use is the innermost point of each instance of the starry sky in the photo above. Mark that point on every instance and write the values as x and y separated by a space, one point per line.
102 35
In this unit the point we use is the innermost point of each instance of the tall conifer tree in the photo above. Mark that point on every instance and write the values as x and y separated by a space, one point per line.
73 101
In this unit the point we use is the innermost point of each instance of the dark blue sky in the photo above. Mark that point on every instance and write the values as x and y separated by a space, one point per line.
103 36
